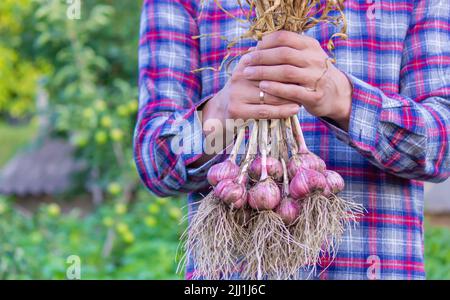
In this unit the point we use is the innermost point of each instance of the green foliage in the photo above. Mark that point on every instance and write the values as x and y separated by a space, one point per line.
18 74
37 247
437 253
92 88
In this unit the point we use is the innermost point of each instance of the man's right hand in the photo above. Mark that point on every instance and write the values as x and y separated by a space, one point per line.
239 99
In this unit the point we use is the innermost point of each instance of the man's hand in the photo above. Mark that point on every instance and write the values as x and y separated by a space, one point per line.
294 67
239 99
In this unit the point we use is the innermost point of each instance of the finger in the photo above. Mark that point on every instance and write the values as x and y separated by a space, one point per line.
244 61
293 92
252 96
286 39
250 111
277 56
281 73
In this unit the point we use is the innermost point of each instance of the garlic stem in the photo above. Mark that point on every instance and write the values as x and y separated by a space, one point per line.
251 151
290 136
237 144
263 148
283 147
285 179
279 140
303 149
275 138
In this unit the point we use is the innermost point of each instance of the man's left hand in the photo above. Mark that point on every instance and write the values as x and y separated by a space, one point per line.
295 67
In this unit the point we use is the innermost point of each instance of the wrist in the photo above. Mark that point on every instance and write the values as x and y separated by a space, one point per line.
343 99
212 110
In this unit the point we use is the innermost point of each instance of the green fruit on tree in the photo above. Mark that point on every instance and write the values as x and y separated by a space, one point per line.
122 228
128 237
117 135
108 221
101 137
122 111
162 201
133 106
120 209
106 122
175 213
100 105
114 188
81 140
88 113
151 221
153 208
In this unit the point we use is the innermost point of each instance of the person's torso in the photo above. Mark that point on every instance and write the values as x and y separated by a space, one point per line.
390 234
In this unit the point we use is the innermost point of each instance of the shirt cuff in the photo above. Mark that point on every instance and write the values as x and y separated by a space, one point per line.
364 118
197 138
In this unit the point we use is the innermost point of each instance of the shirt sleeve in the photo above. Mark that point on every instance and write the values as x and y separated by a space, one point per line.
168 135
407 134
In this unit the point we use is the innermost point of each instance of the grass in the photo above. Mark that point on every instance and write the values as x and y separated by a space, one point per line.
437 252
13 138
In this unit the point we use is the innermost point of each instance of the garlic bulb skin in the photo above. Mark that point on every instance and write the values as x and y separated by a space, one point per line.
231 193
265 195
335 181
274 168
221 171
307 182
289 211
299 188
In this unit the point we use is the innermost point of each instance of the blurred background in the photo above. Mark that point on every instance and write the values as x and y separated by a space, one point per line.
68 185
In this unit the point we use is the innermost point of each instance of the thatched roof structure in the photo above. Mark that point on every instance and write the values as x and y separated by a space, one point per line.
437 198
44 169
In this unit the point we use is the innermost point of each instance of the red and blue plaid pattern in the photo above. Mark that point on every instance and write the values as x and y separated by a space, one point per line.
398 60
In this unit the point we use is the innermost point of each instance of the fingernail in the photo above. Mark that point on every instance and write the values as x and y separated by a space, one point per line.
249 71
264 85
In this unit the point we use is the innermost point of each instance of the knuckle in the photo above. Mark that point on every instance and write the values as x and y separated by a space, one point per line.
282 37
263 113
257 57
318 96
290 73
317 60
312 41
233 112
315 42
236 76
286 53
260 72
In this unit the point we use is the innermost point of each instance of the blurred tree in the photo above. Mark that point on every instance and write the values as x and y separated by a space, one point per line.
89 69
18 73
93 84
93 89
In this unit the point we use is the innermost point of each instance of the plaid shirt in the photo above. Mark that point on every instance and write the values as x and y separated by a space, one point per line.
398 59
